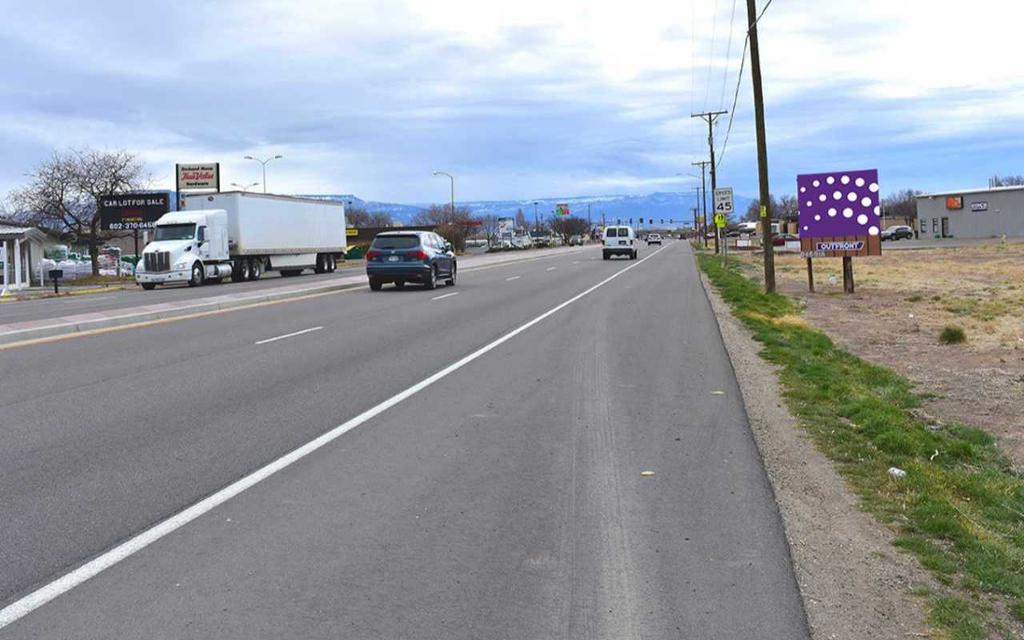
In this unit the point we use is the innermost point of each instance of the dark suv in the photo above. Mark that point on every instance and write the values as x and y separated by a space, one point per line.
410 256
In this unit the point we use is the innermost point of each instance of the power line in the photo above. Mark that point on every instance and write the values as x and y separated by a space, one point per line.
711 55
739 80
728 51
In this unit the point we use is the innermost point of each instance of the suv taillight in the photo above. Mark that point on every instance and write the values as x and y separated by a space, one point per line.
372 255
419 256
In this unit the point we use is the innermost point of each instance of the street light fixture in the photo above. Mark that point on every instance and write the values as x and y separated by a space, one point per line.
264 163
244 187
452 178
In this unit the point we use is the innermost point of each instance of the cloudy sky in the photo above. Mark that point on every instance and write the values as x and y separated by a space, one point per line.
519 99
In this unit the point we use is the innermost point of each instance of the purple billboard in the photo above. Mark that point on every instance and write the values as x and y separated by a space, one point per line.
844 203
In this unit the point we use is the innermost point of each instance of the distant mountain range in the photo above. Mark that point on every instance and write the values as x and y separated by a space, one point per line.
676 207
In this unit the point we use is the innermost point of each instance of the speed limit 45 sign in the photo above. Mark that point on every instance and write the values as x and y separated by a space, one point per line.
724 201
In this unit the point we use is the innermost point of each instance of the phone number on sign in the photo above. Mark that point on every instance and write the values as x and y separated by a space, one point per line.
130 226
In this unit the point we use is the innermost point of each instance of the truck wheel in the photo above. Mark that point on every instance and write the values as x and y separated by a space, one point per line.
375 284
332 264
148 286
606 256
244 270
432 278
256 272
198 276
320 266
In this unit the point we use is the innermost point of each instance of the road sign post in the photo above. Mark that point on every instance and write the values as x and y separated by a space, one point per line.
724 207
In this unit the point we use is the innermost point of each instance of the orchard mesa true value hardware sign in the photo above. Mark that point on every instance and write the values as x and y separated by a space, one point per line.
198 177
840 214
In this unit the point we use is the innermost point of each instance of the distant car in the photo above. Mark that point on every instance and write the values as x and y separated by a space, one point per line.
899 232
620 241
654 238
576 241
780 239
410 256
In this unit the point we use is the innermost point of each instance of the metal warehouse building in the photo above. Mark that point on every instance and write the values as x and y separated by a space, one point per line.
981 213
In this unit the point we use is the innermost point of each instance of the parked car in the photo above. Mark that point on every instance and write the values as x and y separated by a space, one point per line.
780 239
898 232
654 238
620 241
576 241
410 256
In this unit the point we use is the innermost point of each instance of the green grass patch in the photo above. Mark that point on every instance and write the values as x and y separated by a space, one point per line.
952 334
960 510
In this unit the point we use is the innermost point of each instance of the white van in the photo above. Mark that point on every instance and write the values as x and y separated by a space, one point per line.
620 241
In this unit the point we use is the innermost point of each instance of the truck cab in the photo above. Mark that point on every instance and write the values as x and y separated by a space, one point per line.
188 247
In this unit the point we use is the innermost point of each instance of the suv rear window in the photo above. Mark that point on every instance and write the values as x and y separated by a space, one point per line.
396 242
620 232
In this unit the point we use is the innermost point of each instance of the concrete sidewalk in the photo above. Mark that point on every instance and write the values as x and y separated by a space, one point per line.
55 326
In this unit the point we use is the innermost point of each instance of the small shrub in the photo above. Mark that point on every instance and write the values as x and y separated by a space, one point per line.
915 298
952 335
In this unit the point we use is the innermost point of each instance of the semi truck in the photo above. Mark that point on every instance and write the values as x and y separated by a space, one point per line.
241 236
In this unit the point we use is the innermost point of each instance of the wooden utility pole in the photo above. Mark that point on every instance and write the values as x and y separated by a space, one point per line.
710 117
704 201
704 217
762 150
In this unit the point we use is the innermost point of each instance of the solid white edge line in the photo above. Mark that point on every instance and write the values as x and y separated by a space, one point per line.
447 295
23 606
551 268
512 278
289 335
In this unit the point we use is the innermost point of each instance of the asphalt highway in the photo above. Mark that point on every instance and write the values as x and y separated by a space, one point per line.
552 448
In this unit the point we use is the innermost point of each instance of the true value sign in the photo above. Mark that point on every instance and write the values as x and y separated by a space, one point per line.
198 177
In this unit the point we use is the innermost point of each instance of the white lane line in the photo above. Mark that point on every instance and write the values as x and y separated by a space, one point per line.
512 278
577 261
289 335
39 597
551 268
447 295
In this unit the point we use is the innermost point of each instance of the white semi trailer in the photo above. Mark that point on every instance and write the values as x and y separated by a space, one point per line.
240 236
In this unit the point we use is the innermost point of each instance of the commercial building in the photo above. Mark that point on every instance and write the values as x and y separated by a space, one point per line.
980 213
21 249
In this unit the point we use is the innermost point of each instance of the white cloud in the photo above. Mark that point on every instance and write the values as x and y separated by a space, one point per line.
521 98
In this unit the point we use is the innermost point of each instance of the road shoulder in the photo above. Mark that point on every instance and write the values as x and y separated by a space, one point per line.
854 583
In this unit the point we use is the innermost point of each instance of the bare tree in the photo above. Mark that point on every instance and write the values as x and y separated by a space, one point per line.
62 192
361 218
453 226
902 204
521 219
1006 181
753 213
568 226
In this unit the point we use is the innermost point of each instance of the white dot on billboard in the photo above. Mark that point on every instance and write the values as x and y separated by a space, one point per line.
823 197
878 211
847 212
860 182
837 195
866 202
845 180
852 197
874 187
831 180
832 213
862 219
873 231
817 218
817 183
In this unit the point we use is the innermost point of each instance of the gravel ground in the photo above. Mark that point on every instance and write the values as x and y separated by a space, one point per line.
854 583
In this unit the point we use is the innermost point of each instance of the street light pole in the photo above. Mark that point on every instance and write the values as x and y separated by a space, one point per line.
264 163
536 220
452 178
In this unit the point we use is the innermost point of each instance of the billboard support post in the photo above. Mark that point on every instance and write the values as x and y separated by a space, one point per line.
810 274
848 274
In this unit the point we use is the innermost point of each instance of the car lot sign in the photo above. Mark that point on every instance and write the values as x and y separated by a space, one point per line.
132 211
724 203
562 209
840 214
199 177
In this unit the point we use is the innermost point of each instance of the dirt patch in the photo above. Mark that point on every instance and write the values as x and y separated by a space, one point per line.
905 299
854 583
